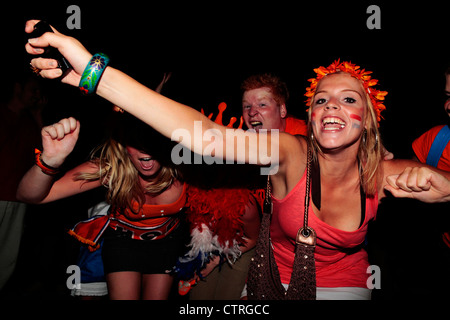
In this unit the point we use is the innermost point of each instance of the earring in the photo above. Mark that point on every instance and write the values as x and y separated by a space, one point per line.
364 136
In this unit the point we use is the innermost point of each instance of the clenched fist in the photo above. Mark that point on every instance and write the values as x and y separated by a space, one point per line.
58 141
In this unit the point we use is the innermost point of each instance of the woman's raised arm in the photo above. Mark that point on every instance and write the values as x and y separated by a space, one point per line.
174 120
38 185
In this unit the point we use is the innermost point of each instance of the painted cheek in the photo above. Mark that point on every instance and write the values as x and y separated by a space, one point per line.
313 119
357 123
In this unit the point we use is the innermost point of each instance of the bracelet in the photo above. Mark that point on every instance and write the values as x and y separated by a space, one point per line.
93 72
51 171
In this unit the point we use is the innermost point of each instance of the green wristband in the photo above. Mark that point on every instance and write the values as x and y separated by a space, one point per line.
93 72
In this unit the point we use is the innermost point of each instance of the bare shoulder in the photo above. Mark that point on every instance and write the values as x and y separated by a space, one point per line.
293 158
293 149
293 145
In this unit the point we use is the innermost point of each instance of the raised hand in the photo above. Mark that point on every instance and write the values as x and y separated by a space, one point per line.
70 48
58 141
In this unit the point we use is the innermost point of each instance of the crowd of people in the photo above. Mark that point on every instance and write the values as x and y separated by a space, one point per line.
162 226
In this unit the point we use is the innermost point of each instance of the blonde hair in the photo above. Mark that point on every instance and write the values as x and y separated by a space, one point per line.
369 152
120 176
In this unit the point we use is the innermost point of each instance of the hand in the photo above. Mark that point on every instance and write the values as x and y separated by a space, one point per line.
387 154
210 266
419 183
58 141
70 48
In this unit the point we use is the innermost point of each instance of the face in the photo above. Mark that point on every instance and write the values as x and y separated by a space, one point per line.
338 112
261 111
447 92
145 165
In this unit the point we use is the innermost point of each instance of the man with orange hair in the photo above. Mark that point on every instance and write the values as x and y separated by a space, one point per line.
264 105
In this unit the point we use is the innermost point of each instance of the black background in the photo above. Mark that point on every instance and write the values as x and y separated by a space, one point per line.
211 47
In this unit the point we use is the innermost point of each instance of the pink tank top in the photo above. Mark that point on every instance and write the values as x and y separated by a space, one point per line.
340 259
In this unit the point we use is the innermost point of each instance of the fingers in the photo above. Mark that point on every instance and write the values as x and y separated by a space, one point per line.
29 25
48 39
47 68
398 193
59 130
388 155
410 180
35 45
42 63
71 49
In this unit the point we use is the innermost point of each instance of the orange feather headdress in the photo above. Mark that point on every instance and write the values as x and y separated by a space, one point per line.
376 96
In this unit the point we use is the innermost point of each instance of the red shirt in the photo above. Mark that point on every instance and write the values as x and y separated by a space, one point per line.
340 260
152 215
296 126
422 145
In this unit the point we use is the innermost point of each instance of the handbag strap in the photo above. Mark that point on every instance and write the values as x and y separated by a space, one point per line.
306 234
302 285
267 205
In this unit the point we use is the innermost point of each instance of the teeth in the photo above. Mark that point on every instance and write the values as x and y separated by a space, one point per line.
145 159
333 120
256 123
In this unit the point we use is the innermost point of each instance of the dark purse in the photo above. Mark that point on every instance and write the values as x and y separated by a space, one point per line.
263 282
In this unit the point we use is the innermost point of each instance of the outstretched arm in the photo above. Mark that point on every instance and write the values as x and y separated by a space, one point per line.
164 115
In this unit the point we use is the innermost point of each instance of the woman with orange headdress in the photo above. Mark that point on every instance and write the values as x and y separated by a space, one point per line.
316 245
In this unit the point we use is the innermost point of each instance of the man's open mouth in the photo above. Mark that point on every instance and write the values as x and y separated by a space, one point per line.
256 124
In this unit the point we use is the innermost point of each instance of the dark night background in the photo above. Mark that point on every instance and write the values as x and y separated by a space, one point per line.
210 48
